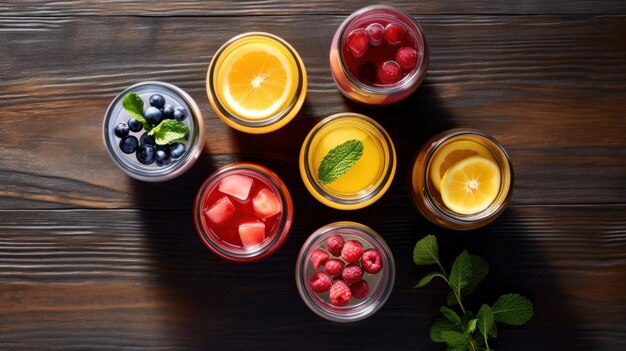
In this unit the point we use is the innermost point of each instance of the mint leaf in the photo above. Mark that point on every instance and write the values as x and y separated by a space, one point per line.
512 309
339 160
169 131
454 338
441 325
471 326
426 251
428 278
461 273
485 319
451 315
479 271
133 105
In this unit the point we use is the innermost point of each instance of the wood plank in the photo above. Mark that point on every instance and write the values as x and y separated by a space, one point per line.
142 279
553 96
319 7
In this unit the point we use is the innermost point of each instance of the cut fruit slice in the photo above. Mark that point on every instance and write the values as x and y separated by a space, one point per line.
258 80
221 211
236 185
451 154
471 185
251 233
266 203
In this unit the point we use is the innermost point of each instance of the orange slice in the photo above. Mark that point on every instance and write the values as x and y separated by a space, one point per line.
451 154
471 185
258 80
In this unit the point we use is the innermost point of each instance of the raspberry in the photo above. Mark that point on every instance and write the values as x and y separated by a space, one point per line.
375 33
357 43
394 34
318 257
352 273
334 244
406 57
351 251
333 266
371 261
359 289
340 293
389 72
320 282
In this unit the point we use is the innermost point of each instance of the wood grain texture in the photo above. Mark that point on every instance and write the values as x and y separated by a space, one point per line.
317 7
552 89
116 279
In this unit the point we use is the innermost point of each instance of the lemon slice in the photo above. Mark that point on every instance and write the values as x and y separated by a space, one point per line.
258 80
470 185
451 154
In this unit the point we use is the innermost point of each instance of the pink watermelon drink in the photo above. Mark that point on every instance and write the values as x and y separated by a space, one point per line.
243 212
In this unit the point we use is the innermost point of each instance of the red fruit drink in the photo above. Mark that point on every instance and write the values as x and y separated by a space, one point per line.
379 55
243 212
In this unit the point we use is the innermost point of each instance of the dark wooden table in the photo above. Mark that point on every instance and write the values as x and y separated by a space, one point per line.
91 259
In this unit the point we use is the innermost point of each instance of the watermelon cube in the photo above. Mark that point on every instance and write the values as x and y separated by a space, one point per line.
251 233
221 211
236 185
266 203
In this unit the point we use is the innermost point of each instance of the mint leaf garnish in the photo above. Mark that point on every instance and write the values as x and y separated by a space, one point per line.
451 315
471 326
169 131
428 278
485 319
426 251
133 105
512 309
441 325
339 160
461 273
454 338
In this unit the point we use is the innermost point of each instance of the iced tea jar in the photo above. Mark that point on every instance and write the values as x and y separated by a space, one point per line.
461 179
379 55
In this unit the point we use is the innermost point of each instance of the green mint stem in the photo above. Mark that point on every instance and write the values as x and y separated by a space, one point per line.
486 343
474 348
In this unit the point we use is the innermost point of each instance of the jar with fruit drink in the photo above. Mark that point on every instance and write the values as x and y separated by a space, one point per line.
243 212
379 55
461 179
345 272
153 131
256 82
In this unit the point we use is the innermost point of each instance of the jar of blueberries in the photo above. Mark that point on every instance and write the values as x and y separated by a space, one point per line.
153 131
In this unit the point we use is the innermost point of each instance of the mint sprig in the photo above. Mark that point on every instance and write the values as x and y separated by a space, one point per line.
133 105
339 160
169 131
467 331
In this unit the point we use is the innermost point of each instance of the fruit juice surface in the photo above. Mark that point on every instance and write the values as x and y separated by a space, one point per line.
228 231
365 68
365 172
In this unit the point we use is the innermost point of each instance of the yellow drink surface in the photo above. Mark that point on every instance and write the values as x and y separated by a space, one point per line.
365 172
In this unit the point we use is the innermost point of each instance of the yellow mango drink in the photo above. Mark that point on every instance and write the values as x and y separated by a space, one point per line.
461 179
347 161
256 82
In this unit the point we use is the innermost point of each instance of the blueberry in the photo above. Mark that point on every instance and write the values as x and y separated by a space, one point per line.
177 149
162 158
147 140
168 111
165 148
157 100
128 144
153 115
134 125
180 114
121 130
145 154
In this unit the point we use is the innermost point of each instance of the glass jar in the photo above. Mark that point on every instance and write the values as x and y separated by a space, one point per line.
219 222
235 62
380 283
367 180
360 78
129 163
430 165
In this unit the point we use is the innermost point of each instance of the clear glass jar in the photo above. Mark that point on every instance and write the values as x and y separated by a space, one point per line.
248 45
367 180
426 197
128 163
354 79
222 238
380 284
